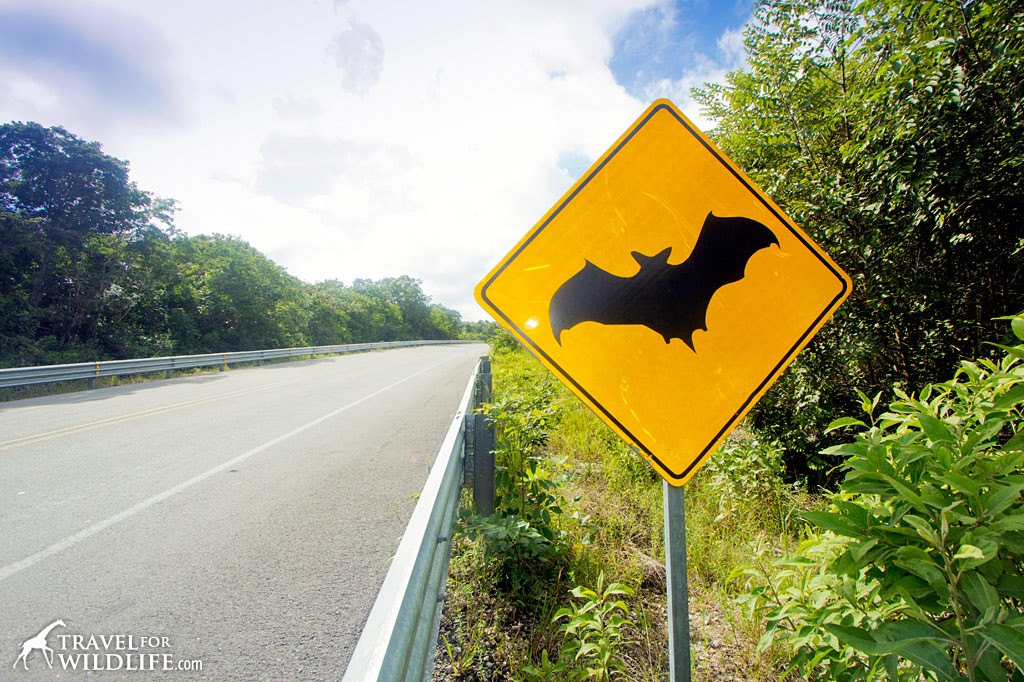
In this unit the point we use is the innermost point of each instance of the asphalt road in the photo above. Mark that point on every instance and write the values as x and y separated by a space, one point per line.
242 521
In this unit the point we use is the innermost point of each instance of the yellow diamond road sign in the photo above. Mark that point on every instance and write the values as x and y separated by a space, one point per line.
666 290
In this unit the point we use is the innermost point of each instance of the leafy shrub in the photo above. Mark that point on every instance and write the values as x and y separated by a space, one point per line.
592 635
891 131
526 534
503 342
919 568
744 477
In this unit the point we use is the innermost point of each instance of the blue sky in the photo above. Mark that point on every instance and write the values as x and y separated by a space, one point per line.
666 41
361 138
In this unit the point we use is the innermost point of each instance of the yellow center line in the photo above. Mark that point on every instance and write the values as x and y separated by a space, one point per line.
88 426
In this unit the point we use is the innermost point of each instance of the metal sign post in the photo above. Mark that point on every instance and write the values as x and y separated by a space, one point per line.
675 581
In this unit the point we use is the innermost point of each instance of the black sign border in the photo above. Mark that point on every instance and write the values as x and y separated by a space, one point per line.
772 375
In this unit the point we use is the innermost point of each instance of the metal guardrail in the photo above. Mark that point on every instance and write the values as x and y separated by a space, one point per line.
400 635
24 376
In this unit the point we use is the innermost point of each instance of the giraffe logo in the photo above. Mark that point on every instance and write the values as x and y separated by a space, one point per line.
38 642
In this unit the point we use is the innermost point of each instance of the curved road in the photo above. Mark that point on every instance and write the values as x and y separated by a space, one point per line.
242 521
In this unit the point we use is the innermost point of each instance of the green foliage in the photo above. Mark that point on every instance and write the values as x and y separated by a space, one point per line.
481 330
76 236
503 342
547 670
892 131
233 296
527 533
592 632
407 315
611 525
464 658
516 543
918 569
91 268
745 474
738 506
592 636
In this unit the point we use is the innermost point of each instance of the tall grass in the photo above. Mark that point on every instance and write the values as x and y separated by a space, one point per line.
499 622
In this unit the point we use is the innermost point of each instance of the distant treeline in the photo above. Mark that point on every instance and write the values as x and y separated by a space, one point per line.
91 267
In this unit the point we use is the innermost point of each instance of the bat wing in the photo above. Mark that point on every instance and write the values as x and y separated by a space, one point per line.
723 248
719 257
591 295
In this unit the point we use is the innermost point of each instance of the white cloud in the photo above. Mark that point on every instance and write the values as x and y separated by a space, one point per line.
290 107
340 159
359 53
703 69
295 168
663 51
730 46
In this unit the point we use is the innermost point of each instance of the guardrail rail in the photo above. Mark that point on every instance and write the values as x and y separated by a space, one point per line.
90 371
399 638
400 635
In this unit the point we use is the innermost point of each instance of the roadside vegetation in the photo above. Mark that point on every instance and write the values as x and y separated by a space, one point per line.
916 568
892 131
566 580
866 522
912 569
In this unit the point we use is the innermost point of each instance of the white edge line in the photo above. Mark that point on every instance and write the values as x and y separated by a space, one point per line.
369 653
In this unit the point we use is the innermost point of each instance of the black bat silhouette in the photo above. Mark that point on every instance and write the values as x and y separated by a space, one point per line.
671 300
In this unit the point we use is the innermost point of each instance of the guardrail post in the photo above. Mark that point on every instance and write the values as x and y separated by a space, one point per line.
468 443
483 446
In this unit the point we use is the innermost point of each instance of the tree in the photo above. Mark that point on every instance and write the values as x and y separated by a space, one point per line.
329 322
893 132
479 329
232 297
445 323
20 254
76 222
406 296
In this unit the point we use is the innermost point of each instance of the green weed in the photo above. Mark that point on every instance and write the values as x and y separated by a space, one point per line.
592 631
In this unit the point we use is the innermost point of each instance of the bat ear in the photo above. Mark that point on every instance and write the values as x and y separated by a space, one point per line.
643 260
